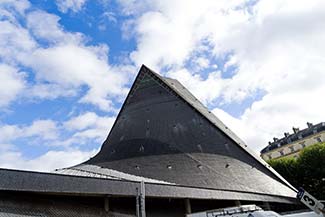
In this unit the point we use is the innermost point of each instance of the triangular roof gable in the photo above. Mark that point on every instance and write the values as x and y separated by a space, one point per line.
176 89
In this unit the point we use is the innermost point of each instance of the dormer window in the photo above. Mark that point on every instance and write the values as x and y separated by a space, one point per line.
318 139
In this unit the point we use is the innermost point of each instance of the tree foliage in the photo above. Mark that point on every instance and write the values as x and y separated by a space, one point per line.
307 171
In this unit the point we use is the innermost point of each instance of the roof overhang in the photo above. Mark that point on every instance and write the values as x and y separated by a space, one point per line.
58 184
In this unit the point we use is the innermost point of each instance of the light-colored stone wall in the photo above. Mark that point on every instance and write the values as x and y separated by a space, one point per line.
293 149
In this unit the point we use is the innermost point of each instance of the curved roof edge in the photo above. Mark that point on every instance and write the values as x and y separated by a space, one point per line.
179 89
61 184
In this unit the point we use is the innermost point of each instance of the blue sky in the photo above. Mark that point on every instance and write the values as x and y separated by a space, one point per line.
67 65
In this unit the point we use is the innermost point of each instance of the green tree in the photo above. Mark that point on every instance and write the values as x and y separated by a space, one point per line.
311 168
307 171
287 167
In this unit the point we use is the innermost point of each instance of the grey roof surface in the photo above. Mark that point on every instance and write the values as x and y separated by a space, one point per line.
58 184
163 132
8 214
105 173
193 101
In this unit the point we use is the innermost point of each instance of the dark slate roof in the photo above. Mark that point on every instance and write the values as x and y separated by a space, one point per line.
299 135
163 132
9 214
58 184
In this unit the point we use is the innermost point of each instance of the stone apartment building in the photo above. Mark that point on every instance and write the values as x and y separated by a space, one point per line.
291 144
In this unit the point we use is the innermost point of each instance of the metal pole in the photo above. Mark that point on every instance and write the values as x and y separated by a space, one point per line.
137 202
106 204
188 209
142 199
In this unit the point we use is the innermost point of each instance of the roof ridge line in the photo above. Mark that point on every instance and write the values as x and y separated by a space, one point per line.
230 133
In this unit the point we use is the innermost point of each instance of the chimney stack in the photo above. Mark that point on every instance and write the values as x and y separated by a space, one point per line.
286 134
295 129
275 139
309 124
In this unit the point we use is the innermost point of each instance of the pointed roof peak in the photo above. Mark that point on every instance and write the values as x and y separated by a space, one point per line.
161 122
204 111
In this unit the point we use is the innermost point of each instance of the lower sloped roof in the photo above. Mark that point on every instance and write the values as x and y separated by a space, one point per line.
58 184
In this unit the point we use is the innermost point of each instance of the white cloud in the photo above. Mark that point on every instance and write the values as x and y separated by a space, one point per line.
198 86
12 84
14 41
71 66
39 129
82 121
106 19
202 62
46 26
276 114
85 131
18 5
47 129
9 133
180 26
86 128
89 126
47 162
73 5
171 34
276 48
63 65
49 91
281 52
268 47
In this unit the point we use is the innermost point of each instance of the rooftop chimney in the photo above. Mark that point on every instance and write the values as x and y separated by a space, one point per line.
270 143
275 139
309 124
286 134
295 129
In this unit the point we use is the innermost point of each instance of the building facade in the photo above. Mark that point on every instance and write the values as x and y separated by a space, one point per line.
291 144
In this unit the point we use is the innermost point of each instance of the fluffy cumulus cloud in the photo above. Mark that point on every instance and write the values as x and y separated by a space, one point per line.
183 26
57 66
198 85
73 5
280 51
41 131
50 161
12 83
62 61
88 126
40 60
65 141
193 35
46 26
266 58
273 47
